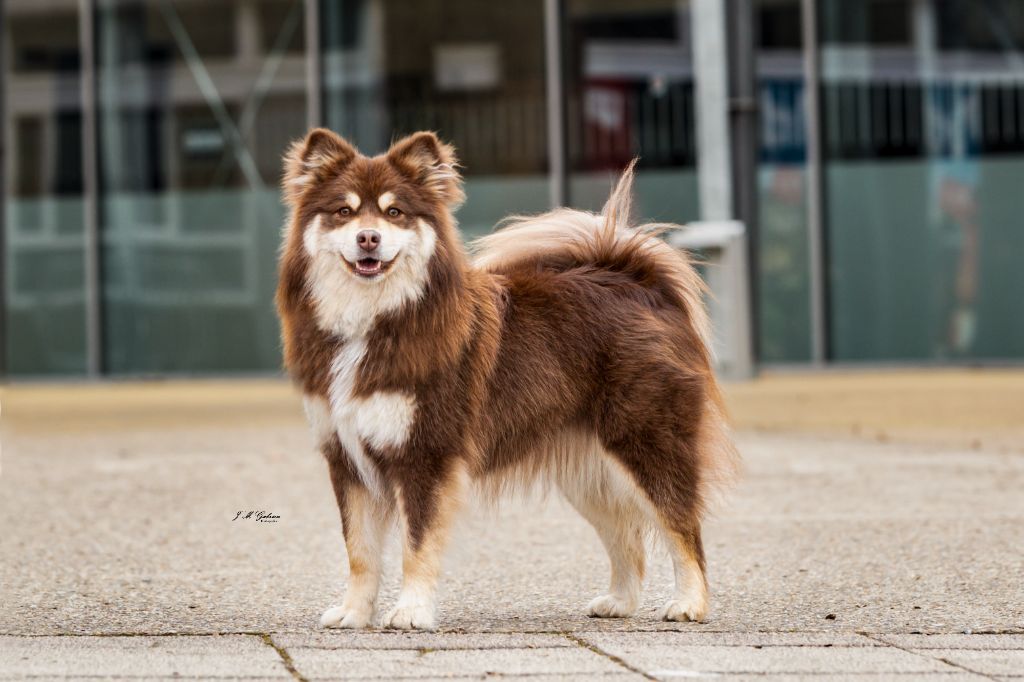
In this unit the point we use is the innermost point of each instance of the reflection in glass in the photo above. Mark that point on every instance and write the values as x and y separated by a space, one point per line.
43 272
197 101
472 71
630 94
925 140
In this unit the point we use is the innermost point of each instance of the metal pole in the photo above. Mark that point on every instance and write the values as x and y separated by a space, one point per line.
554 21
743 111
815 186
743 130
3 198
91 186
314 66
726 158
711 57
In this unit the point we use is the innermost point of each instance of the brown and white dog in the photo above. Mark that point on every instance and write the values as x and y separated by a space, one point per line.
572 349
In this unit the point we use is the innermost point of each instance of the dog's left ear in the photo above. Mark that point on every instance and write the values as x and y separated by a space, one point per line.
432 163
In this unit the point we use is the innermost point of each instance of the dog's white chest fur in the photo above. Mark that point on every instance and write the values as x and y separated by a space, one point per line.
383 420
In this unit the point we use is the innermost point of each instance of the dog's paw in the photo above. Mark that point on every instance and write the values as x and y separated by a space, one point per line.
683 611
410 616
611 606
345 617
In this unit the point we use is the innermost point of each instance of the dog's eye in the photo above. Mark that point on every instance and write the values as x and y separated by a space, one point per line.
345 210
394 212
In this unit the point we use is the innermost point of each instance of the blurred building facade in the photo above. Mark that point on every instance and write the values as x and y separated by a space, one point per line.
142 143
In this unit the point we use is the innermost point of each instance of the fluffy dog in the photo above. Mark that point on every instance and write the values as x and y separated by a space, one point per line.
572 349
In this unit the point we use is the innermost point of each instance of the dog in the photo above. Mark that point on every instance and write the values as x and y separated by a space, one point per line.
571 349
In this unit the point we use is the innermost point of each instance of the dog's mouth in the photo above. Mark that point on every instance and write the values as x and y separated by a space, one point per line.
368 266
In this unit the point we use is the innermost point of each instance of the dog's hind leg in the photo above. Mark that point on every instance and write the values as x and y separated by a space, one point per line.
623 540
365 519
689 601
656 434
427 507
619 523
666 473
671 497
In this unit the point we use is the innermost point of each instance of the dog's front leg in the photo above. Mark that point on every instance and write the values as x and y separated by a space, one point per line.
365 518
427 506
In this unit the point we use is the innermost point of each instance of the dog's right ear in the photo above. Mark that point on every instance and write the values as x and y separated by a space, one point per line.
307 161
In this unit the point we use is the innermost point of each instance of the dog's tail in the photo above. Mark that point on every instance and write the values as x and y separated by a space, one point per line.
564 239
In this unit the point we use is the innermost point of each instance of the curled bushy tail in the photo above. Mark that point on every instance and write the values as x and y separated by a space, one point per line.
565 238
576 237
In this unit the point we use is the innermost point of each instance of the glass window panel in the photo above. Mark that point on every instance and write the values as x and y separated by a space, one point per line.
925 148
784 328
630 94
472 71
44 306
197 101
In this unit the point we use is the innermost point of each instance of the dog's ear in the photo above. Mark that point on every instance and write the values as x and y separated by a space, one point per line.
432 163
307 159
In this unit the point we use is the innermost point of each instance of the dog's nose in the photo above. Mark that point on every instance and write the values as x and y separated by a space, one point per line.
368 240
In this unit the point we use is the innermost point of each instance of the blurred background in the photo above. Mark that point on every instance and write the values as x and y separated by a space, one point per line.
142 143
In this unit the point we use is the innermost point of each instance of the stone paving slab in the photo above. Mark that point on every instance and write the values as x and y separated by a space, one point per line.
843 677
986 662
749 639
955 641
212 657
340 639
147 678
401 664
681 661
557 677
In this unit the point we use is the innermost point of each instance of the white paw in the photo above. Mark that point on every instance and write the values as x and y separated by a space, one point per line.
682 611
345 617
611 606
410 616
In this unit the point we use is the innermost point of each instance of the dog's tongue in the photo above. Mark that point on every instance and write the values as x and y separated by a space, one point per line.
368 266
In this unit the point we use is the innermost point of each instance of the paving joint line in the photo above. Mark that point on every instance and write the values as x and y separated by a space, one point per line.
136 678
580 642
930 658
286 658
768 675
429 649
251 633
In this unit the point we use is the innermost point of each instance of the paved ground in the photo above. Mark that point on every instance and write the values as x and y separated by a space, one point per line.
860 545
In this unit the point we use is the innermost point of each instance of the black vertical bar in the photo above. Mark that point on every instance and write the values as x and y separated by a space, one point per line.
314 65
91 188
745 148
556 100
3 192
816 233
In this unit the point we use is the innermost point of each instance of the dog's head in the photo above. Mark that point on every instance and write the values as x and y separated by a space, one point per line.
371 213
368 227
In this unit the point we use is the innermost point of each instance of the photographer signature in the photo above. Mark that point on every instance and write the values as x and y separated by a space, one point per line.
261 516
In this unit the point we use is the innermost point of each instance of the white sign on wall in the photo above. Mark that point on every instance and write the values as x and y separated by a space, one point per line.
467 66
